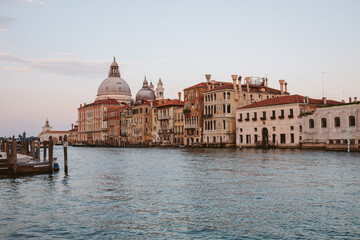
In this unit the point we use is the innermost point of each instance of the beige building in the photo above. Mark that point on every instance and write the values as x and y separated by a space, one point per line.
223 98
274 122
169 115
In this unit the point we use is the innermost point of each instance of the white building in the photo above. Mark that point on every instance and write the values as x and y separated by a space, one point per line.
274 122
328 127
57 136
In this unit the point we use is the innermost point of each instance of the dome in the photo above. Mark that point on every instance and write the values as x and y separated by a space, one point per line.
145 93
114 86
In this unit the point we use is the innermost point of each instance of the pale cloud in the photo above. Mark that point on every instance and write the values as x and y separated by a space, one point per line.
64 65
5 23
21 1
16 69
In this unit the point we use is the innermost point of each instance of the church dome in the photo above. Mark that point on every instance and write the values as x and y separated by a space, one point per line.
114 87
145 93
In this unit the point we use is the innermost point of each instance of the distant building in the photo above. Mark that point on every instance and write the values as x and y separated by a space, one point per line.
274 122
169 115
328 127
57 136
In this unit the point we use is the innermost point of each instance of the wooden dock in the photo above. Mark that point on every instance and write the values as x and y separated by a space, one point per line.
18 158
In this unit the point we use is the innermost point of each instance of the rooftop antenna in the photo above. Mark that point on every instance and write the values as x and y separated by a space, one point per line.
322 79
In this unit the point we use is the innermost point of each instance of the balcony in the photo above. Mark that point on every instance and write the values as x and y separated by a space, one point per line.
207 116
263 118
281 117
254 118
291 116
247 119
161 118
190 126
240 120
273 117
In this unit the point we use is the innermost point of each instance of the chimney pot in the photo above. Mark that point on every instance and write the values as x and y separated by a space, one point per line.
179 93
286 87
282 86
349 99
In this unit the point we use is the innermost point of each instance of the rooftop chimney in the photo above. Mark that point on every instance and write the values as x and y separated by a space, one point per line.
324 100
286 87
247 79
234 77
349 99
72 126
355 99
208 76
179 93
282 86
239 83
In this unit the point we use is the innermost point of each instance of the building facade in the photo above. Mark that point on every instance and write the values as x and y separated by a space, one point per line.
274 122
331 127
47 132
221 101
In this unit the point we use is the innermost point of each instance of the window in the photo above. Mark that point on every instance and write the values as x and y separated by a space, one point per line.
282 114
248 139
311 123
282 138
274 138
255 129
224 123
263 116
242 130
337 122
215 97
224 97
351 121
240 117
255 116
292 137
273 115
274 128
241 138
291 127
228 108
228 95
323 122
146 110
255 138
224 109
291 115
214 108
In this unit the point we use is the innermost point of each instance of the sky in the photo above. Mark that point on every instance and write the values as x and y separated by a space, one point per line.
54 54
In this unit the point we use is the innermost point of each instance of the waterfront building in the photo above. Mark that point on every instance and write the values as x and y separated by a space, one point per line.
274 122
113 119
113 93
330 127
91 118
73 135
223 98
47 132
168 127
193 112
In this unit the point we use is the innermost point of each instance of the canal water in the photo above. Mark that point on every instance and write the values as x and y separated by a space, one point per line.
150 193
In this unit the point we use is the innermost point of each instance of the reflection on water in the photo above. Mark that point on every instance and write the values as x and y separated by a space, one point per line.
187 193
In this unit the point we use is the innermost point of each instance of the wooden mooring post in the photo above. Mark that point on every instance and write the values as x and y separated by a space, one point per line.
38 150
3 146
7 151
33 149
14 155
51 156
65 144
45 145
27 148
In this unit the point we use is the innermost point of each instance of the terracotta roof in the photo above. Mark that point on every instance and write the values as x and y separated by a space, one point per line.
119 108
202 84
288 100
173 102
55 132
100 102
225 86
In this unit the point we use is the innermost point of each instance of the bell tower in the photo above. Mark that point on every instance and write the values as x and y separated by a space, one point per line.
159 90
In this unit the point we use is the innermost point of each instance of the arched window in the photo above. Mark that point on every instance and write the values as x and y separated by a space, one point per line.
311 123
351 121
224 109
224 95
323 122
337 122
228 108
211 97
228 95
215 97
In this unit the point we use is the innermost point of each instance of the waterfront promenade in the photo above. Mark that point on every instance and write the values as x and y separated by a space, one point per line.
187 193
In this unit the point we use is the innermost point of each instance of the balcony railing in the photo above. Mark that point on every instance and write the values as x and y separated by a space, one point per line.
207 115
189 125
163 118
